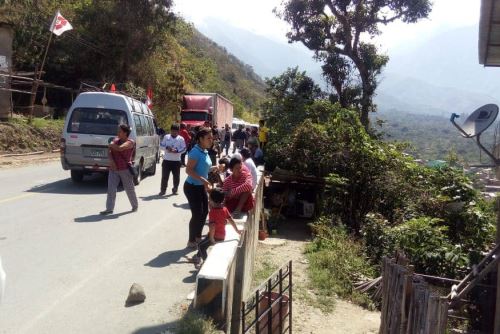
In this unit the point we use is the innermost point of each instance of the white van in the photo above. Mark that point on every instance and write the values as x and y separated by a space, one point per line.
236 123
92 123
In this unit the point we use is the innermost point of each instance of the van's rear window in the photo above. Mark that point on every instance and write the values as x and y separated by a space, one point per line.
96 121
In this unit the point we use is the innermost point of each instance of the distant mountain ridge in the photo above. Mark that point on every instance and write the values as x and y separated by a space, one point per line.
439 76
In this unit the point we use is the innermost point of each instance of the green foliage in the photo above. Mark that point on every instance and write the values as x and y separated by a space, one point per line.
290 97
333 30
110 44
382 194
424 240
336 262
431 137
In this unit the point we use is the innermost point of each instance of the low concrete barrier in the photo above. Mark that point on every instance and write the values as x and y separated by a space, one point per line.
226 276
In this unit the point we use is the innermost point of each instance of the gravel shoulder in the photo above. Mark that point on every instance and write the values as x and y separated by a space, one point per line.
307 316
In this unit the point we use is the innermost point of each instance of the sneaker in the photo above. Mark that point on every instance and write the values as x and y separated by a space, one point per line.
106 212
135 209
174 191
162 193
198 265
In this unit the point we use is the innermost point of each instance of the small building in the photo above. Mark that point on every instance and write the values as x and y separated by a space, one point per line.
6 37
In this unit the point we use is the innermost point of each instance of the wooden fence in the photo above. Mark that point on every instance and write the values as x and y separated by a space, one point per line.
408 304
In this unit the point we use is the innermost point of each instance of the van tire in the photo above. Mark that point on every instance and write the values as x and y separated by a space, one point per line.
151 170
77 176
140 174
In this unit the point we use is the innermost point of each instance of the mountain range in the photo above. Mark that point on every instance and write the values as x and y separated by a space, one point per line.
438 76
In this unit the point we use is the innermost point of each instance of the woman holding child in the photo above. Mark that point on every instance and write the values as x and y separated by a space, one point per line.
197 184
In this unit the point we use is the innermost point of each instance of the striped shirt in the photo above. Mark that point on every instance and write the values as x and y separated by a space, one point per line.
237 186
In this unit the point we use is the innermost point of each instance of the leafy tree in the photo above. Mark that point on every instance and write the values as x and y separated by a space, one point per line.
338 26
290 94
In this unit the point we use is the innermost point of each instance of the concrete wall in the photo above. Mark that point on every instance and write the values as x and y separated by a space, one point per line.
225 278
6 36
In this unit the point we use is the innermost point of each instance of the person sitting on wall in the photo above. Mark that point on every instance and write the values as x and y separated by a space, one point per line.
238 188
218 217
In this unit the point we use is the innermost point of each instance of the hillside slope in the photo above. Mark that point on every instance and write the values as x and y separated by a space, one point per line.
109 45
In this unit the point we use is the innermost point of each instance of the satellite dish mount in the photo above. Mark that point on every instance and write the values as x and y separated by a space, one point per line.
476 124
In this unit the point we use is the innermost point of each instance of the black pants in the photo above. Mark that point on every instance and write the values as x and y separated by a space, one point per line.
166 168
203 246
198 203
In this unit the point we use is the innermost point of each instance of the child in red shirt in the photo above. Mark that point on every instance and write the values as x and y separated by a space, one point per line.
217 219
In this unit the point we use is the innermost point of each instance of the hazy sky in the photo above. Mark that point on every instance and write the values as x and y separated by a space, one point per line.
257 16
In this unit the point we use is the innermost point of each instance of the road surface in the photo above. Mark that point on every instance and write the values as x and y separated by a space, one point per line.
69 270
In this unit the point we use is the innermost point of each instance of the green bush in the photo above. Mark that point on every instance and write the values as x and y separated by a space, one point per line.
336 262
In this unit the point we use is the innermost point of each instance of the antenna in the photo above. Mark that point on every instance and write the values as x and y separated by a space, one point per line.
480 120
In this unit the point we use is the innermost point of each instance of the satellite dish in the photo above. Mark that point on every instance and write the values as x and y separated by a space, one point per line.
479 120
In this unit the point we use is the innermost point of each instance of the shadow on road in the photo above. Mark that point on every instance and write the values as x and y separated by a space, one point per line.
169 257
92 185
166 328
155 197
97 217
184 206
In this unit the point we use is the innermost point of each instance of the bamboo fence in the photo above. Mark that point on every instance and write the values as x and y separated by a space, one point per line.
408 304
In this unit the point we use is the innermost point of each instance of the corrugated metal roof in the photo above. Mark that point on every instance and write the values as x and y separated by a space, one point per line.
489 33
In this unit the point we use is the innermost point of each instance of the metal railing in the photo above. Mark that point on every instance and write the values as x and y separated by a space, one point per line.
269 310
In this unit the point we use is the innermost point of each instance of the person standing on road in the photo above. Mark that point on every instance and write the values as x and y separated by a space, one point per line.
263 134
196 186
120 153
226 138
240 138
187 140
248 162
174 146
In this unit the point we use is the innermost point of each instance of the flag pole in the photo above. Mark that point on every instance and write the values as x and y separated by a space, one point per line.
38 76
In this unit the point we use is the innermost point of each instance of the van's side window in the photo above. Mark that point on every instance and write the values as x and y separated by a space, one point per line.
145 129
138 126
147 126
151 127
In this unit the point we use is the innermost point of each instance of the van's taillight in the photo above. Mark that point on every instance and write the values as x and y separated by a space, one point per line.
63 145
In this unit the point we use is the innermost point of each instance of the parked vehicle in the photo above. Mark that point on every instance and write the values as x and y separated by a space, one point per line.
92 123
199 108
236 123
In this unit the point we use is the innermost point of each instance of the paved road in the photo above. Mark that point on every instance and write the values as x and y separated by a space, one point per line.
69 270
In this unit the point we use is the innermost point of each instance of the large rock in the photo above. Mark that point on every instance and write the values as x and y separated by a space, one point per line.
136 294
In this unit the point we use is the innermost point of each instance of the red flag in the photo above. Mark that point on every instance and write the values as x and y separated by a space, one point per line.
113 88
60 24
149 100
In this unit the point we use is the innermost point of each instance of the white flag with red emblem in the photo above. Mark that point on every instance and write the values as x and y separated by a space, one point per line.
149 99
60 24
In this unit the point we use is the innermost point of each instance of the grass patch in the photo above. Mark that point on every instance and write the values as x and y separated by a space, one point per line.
263 270
39 123
195 323
336 262
18 135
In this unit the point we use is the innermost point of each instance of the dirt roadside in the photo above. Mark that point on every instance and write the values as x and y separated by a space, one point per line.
307 318
21 161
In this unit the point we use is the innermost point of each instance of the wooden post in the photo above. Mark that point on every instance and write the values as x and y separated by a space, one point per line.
38 76
497 303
